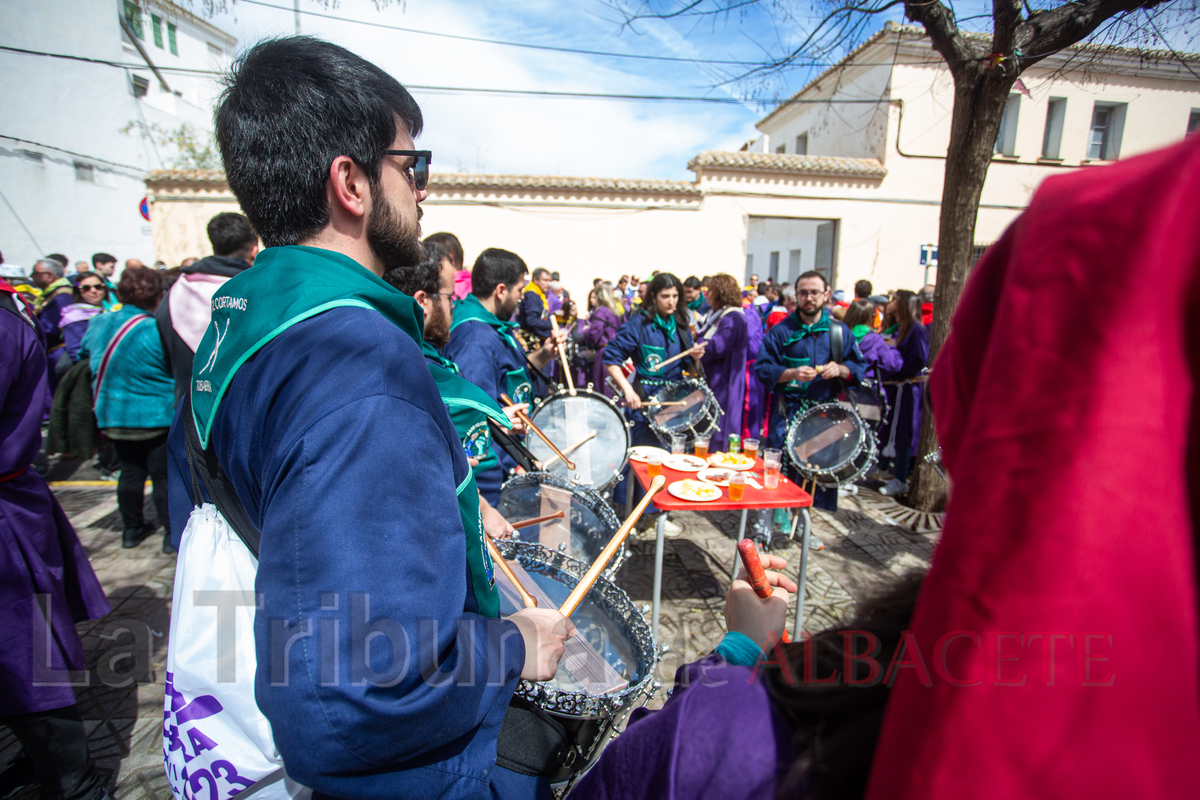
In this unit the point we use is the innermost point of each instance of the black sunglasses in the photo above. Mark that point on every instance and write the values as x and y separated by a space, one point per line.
420 167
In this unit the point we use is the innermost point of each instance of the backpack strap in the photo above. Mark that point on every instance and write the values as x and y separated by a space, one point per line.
206 471
837 342
102 371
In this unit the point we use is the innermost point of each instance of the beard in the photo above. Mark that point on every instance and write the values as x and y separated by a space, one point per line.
437 326
393 242
506 311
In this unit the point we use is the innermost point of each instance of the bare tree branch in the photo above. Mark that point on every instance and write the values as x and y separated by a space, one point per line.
1047 32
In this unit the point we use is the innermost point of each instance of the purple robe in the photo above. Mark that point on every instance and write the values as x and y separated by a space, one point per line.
717 737
724 363
39 551
881 357
756 393
600 328
905 412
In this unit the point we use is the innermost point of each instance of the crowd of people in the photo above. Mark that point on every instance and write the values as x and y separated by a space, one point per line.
358 390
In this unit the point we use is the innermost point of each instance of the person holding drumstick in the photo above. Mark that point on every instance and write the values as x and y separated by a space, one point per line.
311 392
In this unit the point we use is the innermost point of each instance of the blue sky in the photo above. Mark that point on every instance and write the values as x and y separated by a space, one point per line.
476 132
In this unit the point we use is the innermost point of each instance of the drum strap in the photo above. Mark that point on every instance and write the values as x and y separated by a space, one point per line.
531 742
510 444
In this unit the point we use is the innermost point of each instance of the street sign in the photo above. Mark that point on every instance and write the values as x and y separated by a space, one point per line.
929 255
144 207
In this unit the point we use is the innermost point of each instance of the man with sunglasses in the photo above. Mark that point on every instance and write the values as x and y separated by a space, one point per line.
798 363
311 391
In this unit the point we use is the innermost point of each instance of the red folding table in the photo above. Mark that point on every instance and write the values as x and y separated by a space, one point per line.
787 495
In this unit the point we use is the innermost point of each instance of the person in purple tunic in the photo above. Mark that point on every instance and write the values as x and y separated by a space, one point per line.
756 392
744 724
903 426
44 575
726 336
881 357
599 329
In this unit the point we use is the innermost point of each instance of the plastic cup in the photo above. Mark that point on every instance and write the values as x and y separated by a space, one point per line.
771 476
737 486
678 444
654 465
750 447
771 456
702 446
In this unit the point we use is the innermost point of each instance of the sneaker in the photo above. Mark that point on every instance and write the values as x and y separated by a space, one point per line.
671 527
132 537
168 548
894 487
814 543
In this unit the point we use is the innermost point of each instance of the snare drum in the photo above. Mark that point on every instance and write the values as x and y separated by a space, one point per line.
687 406
834 439
587 525
599 682
589 418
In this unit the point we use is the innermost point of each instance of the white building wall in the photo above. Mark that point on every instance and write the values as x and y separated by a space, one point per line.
72 111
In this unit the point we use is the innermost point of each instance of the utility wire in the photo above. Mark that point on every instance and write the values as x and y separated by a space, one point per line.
73 153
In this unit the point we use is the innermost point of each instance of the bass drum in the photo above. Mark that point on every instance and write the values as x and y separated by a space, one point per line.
588 522
606 668
589 429
831 443
687 406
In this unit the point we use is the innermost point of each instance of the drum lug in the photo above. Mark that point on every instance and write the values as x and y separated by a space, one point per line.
645 609
516 536
562 546
663 649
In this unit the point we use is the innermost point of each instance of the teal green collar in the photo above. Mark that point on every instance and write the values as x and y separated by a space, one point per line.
469 308
666 325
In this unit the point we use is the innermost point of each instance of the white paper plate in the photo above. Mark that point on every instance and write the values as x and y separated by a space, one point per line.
676 489
717 477
644 451
715 461
684 463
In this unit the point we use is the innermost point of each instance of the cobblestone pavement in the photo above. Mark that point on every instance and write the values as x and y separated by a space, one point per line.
866 546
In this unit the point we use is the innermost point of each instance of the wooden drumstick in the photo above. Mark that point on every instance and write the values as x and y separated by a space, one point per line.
525 523
562 354
670 360
525 418
756 575
585 583
529 600
591 435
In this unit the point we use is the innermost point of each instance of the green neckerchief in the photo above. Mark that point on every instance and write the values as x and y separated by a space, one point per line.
469 407
892 331
469 308
666 325
860 331
803 330
695 305
433 354
289 285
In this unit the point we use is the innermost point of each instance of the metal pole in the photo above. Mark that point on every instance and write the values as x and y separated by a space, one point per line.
659 530
800 579
296 7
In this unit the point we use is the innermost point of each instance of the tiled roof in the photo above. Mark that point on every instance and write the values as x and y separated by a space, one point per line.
453 180
743 161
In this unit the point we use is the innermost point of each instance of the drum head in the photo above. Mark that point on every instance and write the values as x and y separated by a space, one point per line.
589 522
589 418
686 407
826 436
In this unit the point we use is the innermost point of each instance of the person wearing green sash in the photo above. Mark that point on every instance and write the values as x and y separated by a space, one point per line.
484 345
383 667
431 284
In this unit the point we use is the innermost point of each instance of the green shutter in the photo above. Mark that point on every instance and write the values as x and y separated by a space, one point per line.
133 16
171 38
156 26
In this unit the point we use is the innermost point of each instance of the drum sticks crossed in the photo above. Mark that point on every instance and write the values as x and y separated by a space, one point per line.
525 418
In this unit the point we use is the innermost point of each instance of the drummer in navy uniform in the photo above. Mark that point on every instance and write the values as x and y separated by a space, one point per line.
796 361
531 311
654 334
483 345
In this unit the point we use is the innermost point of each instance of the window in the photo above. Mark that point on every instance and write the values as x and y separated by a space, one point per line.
1104 139
30 155
793 265
977 253
1056 112
1194 122
85 172
140 86
156 29
802 144
171 38
782 149
773 270
133 18
1006 137
749 266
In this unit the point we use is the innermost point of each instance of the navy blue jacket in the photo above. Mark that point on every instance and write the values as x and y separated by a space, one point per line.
646 343
340 447
775 356
529 315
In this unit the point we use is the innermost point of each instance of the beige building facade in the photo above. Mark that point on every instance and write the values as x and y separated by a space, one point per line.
845 178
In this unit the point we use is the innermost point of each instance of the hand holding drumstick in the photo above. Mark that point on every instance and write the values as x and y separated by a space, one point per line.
763 619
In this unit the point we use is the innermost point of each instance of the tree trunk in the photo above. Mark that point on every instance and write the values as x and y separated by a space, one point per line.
980 96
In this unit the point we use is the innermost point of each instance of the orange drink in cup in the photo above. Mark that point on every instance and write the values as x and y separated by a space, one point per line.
702 447
750 448
737 486
654 466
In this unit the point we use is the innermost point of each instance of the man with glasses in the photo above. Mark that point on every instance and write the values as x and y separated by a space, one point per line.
49 275
311 391
796 360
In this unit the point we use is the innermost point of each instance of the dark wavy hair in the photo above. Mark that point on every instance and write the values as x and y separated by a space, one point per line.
860 312
907 314
424 277
660 283
79 277
724 292
140 287
290 107
835 725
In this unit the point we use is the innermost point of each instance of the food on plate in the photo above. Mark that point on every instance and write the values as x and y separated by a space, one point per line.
731 461
685 463
695 490
717 477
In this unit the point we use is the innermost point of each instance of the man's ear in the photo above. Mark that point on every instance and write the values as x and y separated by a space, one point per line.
420 296
348 186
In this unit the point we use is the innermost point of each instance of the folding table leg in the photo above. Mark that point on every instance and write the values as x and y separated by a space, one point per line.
803 575
659 530
741 535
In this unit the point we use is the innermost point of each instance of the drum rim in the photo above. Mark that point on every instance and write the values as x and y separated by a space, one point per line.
596 504
795 424
577 704
710 402
561 392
